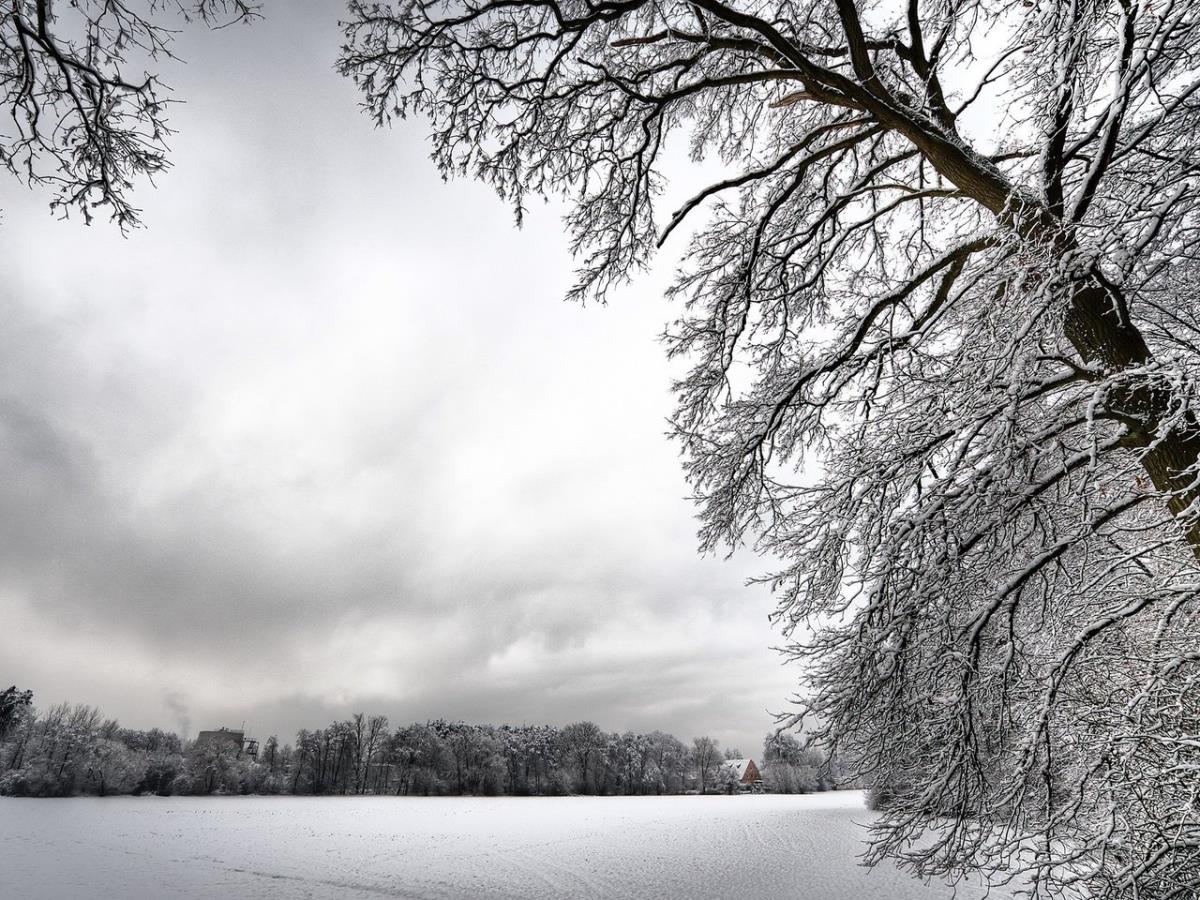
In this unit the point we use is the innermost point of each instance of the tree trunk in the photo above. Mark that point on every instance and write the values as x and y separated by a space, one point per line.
1098 327
1097 322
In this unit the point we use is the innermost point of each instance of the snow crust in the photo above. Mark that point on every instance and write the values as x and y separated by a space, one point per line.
751 847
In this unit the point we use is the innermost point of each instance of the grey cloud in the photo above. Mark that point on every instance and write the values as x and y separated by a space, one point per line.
324 437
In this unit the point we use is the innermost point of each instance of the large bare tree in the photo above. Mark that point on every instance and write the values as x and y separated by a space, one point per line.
949 276
81 113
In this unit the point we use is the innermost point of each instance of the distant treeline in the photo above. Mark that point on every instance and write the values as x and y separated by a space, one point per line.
68 750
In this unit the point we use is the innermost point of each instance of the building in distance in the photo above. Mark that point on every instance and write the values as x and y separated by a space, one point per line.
746 773
228 739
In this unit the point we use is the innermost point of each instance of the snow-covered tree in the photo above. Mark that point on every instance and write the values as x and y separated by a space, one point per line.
707 762
81 118
726 779
416 755
940 316
668 763
789 767
113 768
14 705
582 746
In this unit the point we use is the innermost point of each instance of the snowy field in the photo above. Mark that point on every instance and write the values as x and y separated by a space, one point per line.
733 848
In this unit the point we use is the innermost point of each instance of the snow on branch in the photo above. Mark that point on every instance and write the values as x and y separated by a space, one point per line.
939 318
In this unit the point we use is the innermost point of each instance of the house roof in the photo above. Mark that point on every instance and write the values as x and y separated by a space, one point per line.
739 766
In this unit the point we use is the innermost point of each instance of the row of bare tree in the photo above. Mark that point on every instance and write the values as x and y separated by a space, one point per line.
67 750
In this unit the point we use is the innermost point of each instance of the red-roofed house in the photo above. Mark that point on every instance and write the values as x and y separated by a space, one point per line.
746 774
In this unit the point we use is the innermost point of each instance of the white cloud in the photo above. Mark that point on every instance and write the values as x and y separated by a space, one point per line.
325 436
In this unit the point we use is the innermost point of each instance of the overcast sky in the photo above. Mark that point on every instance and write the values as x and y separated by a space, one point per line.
325 438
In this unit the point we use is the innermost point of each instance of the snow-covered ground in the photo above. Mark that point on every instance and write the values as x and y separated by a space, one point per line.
732 848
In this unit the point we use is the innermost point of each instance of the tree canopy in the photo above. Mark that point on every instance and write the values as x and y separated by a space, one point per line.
79 121
940 318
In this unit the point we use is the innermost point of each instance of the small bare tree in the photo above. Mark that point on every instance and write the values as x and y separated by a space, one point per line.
953 264
81 119
707 760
